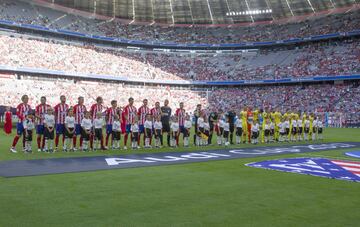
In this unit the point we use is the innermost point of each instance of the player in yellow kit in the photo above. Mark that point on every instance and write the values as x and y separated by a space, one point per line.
287 115
243 114
256 115
277 117
265 116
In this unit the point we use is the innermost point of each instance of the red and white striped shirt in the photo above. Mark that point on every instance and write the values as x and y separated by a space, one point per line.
142 112
180 113
61 113
40 111
79 112
96 108
129 113
22 110
155 112
110 114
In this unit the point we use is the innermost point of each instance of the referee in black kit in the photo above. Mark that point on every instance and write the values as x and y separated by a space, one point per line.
231 115
213 117
197 114
165 120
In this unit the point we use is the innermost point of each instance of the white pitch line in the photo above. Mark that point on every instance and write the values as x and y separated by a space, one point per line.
333 157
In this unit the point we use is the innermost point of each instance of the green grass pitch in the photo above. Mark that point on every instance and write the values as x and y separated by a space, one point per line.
218 193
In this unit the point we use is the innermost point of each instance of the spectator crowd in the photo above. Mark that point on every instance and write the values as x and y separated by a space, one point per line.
23 12
317 59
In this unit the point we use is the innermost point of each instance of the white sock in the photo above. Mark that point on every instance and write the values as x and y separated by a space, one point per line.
186 141
46 145
65 143
156 142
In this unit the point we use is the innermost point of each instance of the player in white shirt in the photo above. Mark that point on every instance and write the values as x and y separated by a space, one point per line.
29 126
226 132
267 131
255 132
116 133
220 131
134 128
272 130
158 131
148 125
306 129
200 124
175 131
86 126
69 131
287 129
98 126
239 129
293 129
315 129
281 131
49 124
188 126
300 129
206 135
320 129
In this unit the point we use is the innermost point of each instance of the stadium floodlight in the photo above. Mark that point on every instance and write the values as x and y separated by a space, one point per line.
249 12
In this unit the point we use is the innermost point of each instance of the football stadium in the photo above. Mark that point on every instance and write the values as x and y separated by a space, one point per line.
180 113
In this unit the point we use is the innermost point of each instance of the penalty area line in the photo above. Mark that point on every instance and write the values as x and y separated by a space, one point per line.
333 157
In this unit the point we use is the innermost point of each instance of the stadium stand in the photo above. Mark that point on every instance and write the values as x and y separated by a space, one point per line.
319 59
36 87
329 58
24 12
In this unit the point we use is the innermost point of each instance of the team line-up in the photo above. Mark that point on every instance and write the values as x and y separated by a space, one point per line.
76 121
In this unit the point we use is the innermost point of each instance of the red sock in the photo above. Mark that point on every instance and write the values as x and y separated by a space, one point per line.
57 140
16 139
125 139
74 141
81 141
38 140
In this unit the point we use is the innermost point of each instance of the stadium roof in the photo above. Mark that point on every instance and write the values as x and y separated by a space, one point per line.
203 11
